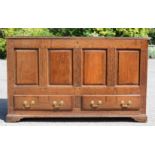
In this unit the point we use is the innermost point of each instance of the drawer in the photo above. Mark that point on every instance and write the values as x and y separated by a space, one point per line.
97 103
54 103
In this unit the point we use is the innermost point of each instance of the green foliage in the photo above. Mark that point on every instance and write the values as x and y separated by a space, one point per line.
72 31
106 32
2 48
132 32
152 36
123 32
26 32
151 51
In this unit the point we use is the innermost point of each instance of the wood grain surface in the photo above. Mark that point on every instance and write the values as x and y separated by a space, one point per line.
90 77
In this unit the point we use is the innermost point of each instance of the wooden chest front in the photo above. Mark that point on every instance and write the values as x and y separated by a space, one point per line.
77 77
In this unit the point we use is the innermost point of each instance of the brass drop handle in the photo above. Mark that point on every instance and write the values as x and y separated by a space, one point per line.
95 105
57 105
125 105
26 105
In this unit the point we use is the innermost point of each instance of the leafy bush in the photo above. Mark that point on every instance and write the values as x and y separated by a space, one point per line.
2 48
151 50
152 36
123 32
8 32
107 32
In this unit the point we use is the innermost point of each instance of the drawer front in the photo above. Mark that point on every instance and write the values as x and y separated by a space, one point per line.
53 103
98 103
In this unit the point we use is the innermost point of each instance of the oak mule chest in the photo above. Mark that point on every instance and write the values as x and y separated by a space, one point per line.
76 77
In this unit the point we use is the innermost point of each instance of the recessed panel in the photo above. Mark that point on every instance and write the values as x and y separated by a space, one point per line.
26 67
94 67
60 67
128 67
